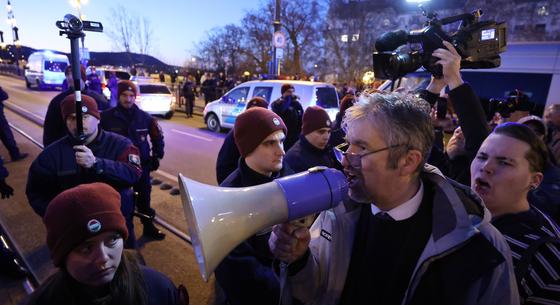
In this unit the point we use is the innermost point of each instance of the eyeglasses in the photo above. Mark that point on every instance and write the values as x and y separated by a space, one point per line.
354 159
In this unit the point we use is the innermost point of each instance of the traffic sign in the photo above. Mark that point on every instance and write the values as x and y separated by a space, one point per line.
279 40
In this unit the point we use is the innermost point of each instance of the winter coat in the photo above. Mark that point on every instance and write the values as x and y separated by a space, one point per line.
228 158
54 126
246 274
291 112
465 254
56 170
136 125
303 156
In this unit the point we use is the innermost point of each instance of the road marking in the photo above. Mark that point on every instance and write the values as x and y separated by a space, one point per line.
167 175
25 110
192 135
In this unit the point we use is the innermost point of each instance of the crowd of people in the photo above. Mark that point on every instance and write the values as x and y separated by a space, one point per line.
472 219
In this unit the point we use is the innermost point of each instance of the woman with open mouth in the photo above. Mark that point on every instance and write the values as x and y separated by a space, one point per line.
509 164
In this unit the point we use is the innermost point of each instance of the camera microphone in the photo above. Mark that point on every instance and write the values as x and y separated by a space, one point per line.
391 40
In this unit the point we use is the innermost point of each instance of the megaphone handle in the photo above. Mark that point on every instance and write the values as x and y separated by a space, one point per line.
284 299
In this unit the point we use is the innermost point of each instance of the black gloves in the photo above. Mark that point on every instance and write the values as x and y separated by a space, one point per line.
5 189
154 163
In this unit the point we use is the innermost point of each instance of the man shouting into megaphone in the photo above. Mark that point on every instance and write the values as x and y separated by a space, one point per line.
413 237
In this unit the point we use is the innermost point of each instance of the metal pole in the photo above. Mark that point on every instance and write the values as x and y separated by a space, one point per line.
77 77
277 28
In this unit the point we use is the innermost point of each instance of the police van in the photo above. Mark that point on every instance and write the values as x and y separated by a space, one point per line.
533 68
45 69
222 113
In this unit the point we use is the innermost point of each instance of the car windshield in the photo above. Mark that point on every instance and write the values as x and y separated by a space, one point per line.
326 97
154 89
55 66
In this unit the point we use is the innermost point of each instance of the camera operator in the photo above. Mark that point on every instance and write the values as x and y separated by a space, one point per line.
472 119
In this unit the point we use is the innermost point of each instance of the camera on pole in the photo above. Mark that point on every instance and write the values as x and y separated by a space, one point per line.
74 29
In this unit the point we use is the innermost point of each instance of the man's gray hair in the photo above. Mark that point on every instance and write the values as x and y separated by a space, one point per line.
402 119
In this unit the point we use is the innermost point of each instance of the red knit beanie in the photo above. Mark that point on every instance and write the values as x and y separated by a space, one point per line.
286 87
80 213
89 106
315 118
253 126
126 85
257 101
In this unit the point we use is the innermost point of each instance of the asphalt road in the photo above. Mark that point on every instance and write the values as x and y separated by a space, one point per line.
190 149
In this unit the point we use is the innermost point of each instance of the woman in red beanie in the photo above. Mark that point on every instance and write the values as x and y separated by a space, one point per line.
88 248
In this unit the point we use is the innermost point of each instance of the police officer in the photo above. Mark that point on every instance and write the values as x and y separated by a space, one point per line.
6 135
245 275
102 157
5 189
312 147
290 110
54 127
130 121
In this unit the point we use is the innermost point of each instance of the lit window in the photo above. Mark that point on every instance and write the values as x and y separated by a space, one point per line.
344 38
355 37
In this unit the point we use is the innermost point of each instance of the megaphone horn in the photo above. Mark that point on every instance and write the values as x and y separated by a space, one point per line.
220 218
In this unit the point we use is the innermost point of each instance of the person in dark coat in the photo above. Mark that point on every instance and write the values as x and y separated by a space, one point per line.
102 157
137 125
228 156
54 126
290 110
312 147
5 189
209 87
337 132
112 84
6 135
189 93
87 247
245 275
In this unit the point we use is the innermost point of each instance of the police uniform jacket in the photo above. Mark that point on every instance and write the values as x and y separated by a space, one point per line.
56 170
291 112
303 156
136 125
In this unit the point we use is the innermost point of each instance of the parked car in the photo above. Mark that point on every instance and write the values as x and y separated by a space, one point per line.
222 113
156 99
45 69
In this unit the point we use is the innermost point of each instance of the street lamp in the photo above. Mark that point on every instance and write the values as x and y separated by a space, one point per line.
13 23
78 5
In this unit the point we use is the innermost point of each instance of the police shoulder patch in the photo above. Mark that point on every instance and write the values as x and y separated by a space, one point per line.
134 159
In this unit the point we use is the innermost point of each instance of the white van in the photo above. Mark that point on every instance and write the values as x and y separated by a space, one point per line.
45 69
222 113
533 68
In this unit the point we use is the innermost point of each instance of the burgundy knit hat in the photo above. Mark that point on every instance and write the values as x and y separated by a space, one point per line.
347 101
253 126
89 106
80 213
257 101
126 85
286 87
315 118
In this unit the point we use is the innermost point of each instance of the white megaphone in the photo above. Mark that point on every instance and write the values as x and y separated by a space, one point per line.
220 218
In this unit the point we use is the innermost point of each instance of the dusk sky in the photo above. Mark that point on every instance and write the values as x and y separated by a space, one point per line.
177 25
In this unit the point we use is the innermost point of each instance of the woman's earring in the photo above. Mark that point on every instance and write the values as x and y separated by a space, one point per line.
533 187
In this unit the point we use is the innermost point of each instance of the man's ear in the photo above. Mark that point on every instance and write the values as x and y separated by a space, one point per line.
408 164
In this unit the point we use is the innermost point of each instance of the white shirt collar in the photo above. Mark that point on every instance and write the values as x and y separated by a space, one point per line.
405 210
